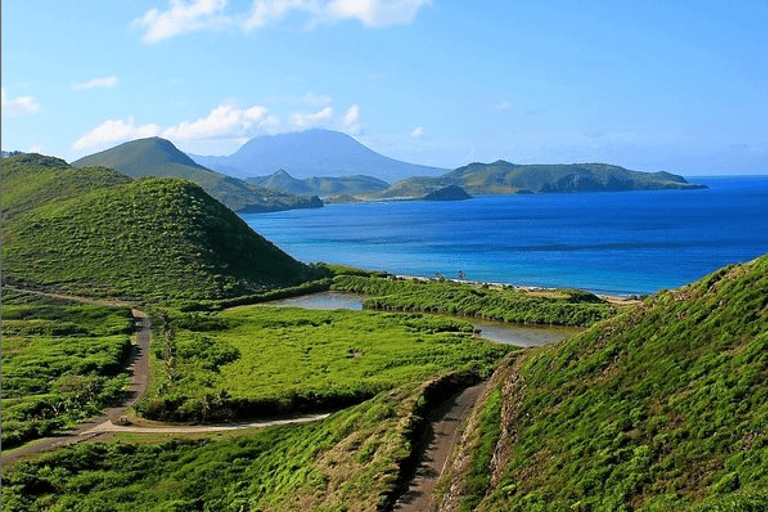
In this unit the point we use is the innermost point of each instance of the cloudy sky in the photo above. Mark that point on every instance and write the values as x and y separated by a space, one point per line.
652 85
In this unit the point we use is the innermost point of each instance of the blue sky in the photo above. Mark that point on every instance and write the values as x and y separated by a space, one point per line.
674 85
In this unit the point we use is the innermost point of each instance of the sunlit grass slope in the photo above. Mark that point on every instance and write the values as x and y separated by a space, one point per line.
93 232
664 407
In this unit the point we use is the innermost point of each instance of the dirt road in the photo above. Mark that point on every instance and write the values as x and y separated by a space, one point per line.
446 420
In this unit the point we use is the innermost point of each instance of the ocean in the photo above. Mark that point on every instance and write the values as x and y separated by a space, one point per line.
623 243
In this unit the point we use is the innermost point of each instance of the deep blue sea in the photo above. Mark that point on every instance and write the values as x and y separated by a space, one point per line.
619 242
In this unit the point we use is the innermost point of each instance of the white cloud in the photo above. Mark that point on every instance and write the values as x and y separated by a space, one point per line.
18 106
301 121
265 11
182 17
224 121
418 132
376 13
97 83
351 121
502 106
112 131
196 15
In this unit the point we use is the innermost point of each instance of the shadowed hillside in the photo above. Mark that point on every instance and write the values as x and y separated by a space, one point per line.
662 408
95 232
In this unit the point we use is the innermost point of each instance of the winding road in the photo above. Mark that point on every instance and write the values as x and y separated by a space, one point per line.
109 421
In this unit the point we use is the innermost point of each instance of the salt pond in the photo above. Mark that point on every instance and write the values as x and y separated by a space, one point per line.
497 332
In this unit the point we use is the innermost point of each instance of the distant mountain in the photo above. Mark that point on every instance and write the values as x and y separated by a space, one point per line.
312 153
158 157
94 231
502 177
325 187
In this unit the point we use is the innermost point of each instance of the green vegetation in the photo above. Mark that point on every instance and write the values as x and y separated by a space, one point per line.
501 303
502 177
664 407
350 461
158 157
150 239
61 364
258 361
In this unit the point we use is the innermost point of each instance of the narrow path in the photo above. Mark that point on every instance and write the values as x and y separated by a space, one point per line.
446 420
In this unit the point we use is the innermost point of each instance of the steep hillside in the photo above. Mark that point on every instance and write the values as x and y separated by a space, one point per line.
312 153
502 177
324 187
664 407
158 157
105 234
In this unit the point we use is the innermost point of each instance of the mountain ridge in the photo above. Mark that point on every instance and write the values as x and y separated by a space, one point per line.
159 157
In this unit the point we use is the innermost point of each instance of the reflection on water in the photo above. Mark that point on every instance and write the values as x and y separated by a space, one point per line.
325 300
497 332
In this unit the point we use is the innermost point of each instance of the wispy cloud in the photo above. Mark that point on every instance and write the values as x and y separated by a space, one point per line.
351 121
97 83
419 132
502 106
302 121
112 131
19 105
182 17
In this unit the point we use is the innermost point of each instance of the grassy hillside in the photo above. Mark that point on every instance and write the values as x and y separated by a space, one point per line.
94 233
160 158
664 407
325 187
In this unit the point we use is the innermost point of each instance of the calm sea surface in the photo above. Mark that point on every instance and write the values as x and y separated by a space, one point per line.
619 242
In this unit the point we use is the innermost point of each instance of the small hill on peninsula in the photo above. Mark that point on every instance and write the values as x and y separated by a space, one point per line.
664 407
502 177
93 231
160 158
324 187
311 153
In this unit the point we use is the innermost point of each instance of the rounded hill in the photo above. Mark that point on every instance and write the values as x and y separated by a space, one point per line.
152 238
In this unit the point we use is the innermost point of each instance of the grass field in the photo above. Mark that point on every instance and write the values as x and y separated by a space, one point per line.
259 360
61 364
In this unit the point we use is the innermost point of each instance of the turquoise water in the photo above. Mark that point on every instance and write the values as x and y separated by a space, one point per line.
619 242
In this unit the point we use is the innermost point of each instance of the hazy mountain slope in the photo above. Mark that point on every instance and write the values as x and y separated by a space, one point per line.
664 407
502 177
158 157
330 186
152 237
312 153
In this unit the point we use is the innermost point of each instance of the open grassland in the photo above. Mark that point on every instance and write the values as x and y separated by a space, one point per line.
664 407
353 460
259 360
500 303
61 364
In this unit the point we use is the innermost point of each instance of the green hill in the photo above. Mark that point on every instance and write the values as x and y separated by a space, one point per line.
664 407
94 232
158 157
324 187
502 177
